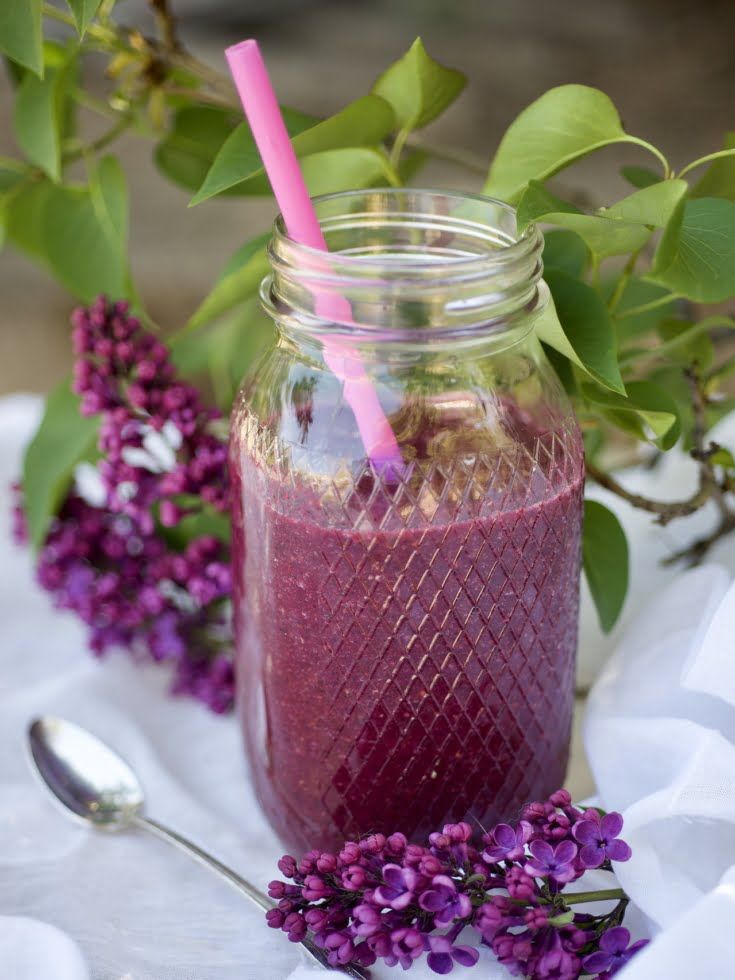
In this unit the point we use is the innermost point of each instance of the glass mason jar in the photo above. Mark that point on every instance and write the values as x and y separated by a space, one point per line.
406 640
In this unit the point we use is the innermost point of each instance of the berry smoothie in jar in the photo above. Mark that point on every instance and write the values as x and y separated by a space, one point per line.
406 636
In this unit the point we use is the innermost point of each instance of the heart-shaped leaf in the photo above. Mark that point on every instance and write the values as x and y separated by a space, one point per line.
577 324
648 412
605 561
63 439
652 205
603 235
536 202
240 280
719 178
84 11
39 115
418 88
697 259
362 123
24 218
565 251
84 234
343 170
20 33
187 152
563 125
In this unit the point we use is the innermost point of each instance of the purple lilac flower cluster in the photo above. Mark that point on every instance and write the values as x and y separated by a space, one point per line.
382 898
112 555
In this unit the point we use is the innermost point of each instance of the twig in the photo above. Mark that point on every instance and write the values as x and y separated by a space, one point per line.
623 281
711 487
125 39
166 24
101 142
461 158
654 304
198 95
694 553
666 511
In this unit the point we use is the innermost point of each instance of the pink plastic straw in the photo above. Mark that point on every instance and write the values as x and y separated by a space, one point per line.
284 173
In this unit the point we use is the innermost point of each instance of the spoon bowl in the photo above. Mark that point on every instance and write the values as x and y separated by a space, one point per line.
84 775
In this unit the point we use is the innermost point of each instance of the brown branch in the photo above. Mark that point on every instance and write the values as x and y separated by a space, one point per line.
666 511
695 552
711 487
166 24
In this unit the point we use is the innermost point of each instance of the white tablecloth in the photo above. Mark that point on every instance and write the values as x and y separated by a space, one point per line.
138 910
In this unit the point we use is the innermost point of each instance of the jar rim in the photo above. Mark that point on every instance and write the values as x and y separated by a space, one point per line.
511 248
397 255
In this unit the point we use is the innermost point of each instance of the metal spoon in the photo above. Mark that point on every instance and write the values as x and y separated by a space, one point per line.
97 787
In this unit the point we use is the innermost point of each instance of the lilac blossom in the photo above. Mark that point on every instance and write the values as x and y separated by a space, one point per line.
385 899
600 841
444 901
549 861
614 952
117 554
397 890
506 843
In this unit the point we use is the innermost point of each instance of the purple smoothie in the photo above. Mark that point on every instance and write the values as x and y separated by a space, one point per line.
406 657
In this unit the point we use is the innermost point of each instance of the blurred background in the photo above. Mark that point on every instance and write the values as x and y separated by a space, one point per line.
669 65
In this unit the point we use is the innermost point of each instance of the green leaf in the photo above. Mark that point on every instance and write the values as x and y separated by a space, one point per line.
343 170
578 325
188 150
84 11
562 126
362 123
109 193
233 287
411 164
243 255
418 88
63 439
84 232
565 251
225 350
603 236
20 33
638 292
654 205
723 457
536 201
719 178
702 254
669 242
38 117
242 338
688 343
605 561
24 218
562 919
204 521
640 176
648 412
563 368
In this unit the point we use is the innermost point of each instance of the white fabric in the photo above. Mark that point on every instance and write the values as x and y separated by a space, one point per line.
31 950
660 734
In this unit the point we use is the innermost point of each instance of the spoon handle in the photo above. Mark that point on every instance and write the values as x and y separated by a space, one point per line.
243 886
